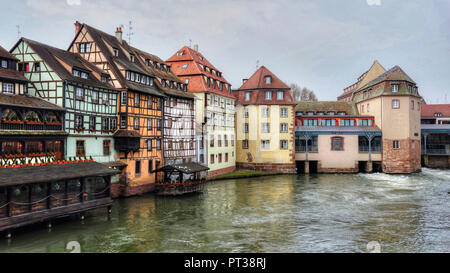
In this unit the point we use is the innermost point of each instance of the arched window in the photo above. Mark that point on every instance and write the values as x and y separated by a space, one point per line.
32 116
10 115
52 118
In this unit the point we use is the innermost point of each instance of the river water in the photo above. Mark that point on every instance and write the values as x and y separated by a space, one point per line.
316 213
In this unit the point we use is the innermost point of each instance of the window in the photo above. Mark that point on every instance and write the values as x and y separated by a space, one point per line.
394 88
284 113
232 140
150 124
226 157
8 88
245 112
395 104
24 67
220 158
328 122
268 95
247 96
85 47
347 122
283 127
123 122
106 147
123 98
105 98
136 100
138 167
4 63
94 96
245 144
202 158
245 127
396 144
265 144
37 67
280 95
159 124
265 112
92 123
268 79
225 139
104 78
79 93
185 66
132 58
186 81
283 144
211 141
180 53
79 123
158 144
84 75
310 122
136 123
368 107
219 141
337 144
211 159
80 148
365 122
149 145
265 127
362 108
412 105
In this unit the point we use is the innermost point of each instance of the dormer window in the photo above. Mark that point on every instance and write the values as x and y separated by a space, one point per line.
147 62
268 79
132 58
163 83
394 88
115 52
168 69
185 66
438 114
162 67
172 85
4 63
76 73
180 53
155 65
104 78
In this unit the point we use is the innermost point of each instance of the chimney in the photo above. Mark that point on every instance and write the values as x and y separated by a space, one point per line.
119 34
77 27
196 47
244 80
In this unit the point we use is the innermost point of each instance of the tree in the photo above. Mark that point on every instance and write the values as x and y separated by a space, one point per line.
302 94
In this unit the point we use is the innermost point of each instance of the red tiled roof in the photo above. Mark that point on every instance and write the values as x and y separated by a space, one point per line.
257 81
428 110
257 87
195 73
5 54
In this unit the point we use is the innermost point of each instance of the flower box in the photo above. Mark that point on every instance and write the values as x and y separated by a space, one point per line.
12 121
34 122
54 123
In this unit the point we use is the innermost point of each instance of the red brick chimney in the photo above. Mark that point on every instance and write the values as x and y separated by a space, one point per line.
77 27
119 34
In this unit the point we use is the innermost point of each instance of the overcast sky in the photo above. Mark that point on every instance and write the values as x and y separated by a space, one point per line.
322 44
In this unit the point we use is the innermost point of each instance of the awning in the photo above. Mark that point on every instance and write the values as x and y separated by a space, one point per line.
51 173
337 130
187 168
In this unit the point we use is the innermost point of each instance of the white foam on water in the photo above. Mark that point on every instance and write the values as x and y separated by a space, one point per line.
438 173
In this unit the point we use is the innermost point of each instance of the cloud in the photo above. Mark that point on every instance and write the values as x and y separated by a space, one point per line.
73 2
374 2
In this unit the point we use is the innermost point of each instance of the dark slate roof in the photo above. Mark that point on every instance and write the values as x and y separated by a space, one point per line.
393 74
435 128
337 130
126 133
51 173
6 55
105 41
13 75
28 102
326 106
190 167
50 55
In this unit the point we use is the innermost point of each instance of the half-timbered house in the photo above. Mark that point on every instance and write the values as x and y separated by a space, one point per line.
140 105
179 110
215 109
65 79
